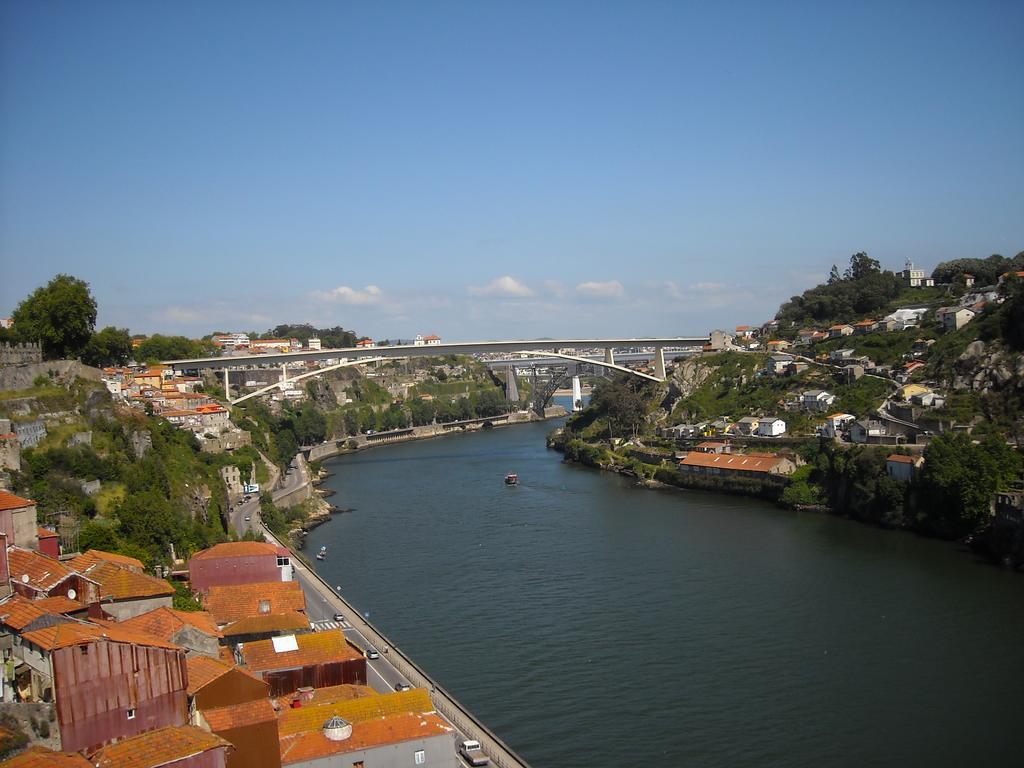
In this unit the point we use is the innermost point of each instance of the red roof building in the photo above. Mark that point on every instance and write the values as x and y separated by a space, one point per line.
738 465
233 603
36 576
174 747
317 659
18 520
239 562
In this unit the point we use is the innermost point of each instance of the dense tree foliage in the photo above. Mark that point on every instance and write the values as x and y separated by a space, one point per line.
621 403
60 315
861 290
158 347
109 347
985 271
330 338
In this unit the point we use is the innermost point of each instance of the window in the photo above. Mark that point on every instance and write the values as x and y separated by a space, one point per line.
131 713
83 650
419 757
264 606
357 764
282 561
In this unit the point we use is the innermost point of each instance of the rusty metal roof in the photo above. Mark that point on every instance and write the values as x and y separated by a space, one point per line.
310 649
79 633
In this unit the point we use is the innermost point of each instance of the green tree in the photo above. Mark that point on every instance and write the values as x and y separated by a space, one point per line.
310 424
60 315
111 346
158 347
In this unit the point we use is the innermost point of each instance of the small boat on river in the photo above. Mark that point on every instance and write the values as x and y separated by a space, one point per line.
322 554
511 478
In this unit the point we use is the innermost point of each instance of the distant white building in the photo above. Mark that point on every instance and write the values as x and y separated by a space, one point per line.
771 426
313 344
907 318
836 424
916 278
424 341
817 400
954 318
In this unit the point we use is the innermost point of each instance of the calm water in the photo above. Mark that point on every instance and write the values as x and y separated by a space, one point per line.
591 623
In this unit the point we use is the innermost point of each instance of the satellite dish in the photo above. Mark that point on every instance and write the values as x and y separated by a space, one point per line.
24 578
72 594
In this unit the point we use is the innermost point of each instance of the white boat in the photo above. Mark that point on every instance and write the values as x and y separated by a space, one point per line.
322 554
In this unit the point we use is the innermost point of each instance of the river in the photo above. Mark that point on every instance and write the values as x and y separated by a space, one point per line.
592 623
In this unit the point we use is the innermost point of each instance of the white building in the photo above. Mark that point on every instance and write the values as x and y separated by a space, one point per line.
836 424
426 341
771 426
313 344
817 400
916 278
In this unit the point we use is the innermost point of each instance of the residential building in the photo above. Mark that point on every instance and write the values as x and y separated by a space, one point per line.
232 340
817 400
776 364
914 277
108 683
720 340
48 542
365 343
771 426
313 344
736 464
94 556
270 345
852 372
778 345
836 331
36 576
18 520
806 335
954 318
234 602
864 326
841 355
709 446
182 746
239 562
316 659
903 468
1007 275
907 317
195 631
837 424
391 730
867 431
968 280
126 592
747 332
747 425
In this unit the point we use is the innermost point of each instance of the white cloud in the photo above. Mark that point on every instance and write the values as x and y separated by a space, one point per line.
594 290
502 286
368 296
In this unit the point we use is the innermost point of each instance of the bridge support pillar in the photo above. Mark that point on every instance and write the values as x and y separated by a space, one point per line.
577 394
512 386
609 356
659 363
227 388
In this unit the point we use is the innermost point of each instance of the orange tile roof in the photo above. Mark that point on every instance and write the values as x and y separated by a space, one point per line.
46 533
331 693
165 622
44 572
123 583
313 648
156 748
10 501
901 459
374 733
93 556
236 549
268 622
202 670
312 716
78 633
18 612
41 757
231 603
734 462
239 715
60 604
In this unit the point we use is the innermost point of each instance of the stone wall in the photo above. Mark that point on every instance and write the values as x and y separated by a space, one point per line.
20 354
15 377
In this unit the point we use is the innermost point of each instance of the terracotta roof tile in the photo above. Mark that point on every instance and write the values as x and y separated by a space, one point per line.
46 533
389 730
159 747
18 612
122 583
311 717
231 603
165 622
202 670
236 549
239 715
93 556
41 757
901 459
78 633
44 572
332 693
270 622
10 501
313 648
734 462
60 604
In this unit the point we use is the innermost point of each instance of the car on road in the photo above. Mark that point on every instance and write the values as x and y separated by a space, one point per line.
248 518
471 750
338 617
371 653
403 687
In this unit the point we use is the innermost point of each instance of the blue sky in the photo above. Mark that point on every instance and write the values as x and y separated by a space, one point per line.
486 170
